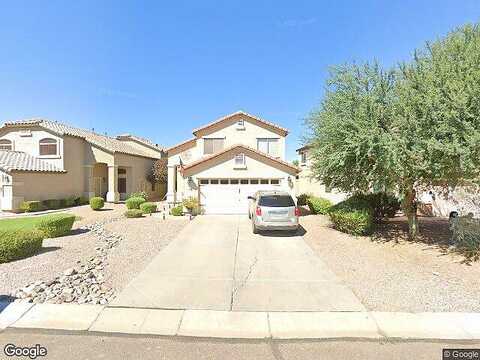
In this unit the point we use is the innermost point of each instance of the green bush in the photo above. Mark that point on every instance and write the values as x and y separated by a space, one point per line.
52 204
81 200
142 194
133 213
177 210
96 203
56 225
148 207
466 236
70 201
31 206
134 202
19 244
355 222
382 204
318 205
302 199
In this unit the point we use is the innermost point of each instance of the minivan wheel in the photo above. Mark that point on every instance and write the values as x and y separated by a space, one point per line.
254 228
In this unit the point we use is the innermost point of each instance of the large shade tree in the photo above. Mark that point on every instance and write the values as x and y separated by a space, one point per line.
405 129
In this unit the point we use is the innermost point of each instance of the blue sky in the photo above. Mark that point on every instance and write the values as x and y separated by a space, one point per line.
159 69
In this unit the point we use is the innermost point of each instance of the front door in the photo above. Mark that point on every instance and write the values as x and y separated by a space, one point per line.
122 187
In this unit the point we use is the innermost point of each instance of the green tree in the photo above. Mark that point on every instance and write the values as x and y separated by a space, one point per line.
405 129
296 162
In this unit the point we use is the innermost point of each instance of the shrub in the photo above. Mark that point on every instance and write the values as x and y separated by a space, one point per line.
31 206
355 222
466 236
142 194
177 210
134 202
318 205
302 199
52 204
19 244
382 204
96 203
133 213
191 204
56 225
148 207
70 201
81 200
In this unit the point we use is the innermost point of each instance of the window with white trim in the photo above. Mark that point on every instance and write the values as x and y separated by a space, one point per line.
268 146
303 157
240 124
212 146
6 144
47 146
240 160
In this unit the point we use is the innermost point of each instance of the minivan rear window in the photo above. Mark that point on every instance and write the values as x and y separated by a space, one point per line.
276 201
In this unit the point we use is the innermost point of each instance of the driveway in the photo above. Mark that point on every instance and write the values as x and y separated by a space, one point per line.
217 263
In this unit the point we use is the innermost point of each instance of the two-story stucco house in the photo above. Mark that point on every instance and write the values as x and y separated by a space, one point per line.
307 184
228 160
41 159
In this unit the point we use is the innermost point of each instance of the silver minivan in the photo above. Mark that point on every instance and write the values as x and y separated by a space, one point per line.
273 210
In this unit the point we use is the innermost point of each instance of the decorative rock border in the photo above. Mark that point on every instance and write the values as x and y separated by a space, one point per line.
83 284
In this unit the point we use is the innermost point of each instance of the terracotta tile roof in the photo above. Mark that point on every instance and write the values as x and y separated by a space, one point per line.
180 144
305 147
245 147
105 142
142 140
268 123
18 160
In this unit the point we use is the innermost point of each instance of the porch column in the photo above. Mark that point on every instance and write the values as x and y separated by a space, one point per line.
89 183
171 183
112 194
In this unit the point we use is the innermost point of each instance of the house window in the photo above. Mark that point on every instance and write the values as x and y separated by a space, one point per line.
48 146
240 160
264 181
275 182
203 181
234 181
268 146
214 181
6 144
254 181
303 157
212 146
244 181
122 171
224 181
241 124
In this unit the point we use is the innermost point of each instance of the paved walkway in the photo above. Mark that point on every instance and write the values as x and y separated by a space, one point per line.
217 263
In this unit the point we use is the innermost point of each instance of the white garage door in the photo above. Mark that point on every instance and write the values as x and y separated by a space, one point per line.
230 196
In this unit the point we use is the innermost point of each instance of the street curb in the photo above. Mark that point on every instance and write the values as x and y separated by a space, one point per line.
244 325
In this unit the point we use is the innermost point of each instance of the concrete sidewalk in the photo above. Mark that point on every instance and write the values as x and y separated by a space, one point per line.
217 263
243 325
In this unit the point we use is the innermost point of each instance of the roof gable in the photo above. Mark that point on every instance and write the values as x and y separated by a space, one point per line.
239 115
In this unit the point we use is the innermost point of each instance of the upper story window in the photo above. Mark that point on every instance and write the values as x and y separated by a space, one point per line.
268 146
240 160
6 144
212 146
240 124
303 157
48 146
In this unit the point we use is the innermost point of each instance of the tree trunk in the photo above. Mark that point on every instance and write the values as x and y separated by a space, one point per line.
410 208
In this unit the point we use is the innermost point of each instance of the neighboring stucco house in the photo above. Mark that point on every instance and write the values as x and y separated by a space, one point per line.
42 159
228 160
307 184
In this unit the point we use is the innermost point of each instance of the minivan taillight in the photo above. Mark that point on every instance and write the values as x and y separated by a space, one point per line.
297 211
258 211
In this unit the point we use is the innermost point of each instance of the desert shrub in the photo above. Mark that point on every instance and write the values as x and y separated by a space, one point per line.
133 213
382 204
134 202
31 206
191 204
96 203
177 210
81 200
148 207
355 222
19 244
466 236
56 225
302 199
52 204
142 194
318 205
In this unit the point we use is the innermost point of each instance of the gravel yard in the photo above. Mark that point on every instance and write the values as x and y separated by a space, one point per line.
398 276
141 240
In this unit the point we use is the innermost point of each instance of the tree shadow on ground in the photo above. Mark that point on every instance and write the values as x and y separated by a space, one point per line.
78 231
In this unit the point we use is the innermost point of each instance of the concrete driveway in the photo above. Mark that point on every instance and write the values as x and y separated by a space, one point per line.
217 263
